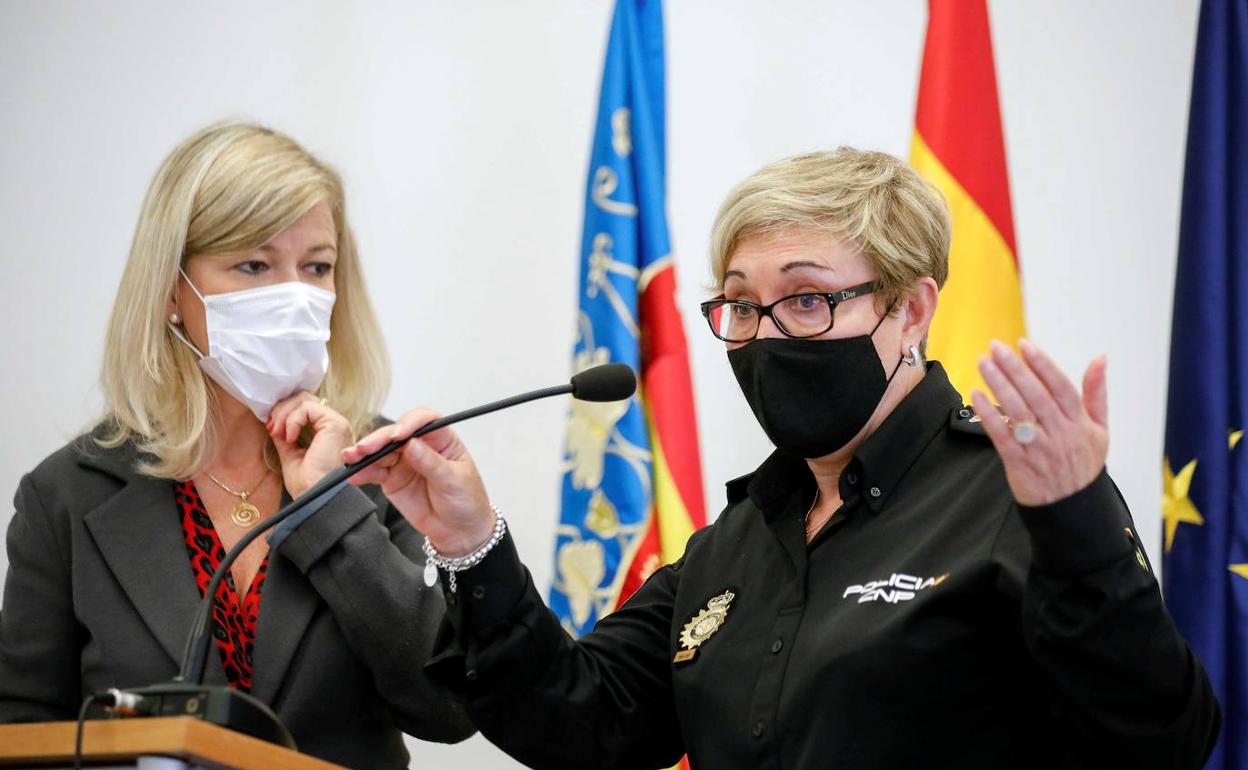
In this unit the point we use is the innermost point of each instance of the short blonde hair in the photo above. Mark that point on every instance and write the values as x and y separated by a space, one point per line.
875 202
229 188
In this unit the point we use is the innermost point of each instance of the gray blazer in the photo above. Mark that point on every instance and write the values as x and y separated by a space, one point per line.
100 593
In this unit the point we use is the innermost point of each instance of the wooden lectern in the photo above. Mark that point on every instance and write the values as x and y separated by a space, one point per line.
169 743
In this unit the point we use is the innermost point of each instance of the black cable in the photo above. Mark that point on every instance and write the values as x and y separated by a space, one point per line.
82 719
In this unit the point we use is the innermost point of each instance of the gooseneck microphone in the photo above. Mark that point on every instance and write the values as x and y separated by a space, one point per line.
187 695
609 382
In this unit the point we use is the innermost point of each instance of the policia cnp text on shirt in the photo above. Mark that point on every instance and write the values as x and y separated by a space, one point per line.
901 584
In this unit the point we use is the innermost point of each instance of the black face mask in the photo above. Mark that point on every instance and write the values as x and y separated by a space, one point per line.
811 396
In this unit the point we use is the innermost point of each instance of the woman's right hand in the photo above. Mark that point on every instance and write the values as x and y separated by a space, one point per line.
432 481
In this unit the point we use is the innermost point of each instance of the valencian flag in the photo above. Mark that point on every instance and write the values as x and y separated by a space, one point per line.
1205 469
632 481
958 147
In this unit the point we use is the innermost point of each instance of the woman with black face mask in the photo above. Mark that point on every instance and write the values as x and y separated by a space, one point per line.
906 582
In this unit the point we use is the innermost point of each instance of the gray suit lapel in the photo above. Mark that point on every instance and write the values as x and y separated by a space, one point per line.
286 608
139 534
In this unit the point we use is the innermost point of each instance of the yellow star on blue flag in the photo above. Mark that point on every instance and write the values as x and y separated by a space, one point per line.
1176 506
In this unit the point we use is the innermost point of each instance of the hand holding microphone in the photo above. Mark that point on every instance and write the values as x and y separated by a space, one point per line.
425 472
433 481
434 485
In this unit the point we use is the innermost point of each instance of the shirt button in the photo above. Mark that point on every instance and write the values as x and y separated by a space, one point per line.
875 491
478 592
777 646
471 675
757 732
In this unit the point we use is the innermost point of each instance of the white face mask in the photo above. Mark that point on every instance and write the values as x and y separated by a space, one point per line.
265 344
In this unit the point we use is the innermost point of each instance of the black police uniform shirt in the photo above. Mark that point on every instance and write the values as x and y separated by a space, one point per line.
932 623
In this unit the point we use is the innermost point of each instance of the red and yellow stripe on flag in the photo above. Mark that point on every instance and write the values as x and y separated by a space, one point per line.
667 394
667 391
958 146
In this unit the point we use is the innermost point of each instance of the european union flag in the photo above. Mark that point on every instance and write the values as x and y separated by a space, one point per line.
1205 501
608 462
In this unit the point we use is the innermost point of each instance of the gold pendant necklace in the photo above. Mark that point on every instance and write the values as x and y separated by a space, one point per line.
810 528
244 514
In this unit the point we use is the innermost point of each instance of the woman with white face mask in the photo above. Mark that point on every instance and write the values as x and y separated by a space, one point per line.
241 358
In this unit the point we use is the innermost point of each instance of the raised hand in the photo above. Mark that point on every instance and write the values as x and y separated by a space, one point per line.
1056 439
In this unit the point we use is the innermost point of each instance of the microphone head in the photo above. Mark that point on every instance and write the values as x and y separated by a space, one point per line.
608 382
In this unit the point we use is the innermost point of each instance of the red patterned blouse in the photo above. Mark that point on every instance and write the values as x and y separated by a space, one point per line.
234 622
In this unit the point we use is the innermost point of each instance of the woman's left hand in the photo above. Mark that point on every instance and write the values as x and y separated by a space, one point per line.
331 433
1071 429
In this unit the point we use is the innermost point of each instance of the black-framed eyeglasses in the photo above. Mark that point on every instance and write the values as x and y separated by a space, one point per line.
798 315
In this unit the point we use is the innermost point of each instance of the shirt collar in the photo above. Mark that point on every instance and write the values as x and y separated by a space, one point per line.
880 463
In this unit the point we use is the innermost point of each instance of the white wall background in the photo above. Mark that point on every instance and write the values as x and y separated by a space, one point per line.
462 130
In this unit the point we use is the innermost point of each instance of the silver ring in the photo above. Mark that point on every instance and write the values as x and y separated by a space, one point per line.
1025 432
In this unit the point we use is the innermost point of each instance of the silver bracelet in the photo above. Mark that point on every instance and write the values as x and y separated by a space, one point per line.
435 561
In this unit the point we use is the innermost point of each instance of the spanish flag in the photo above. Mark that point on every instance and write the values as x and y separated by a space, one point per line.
632 480
958 146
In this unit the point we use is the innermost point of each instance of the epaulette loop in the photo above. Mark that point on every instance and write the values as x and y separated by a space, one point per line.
964 420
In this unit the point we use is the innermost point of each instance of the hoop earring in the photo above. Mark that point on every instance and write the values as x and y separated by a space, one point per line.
914 358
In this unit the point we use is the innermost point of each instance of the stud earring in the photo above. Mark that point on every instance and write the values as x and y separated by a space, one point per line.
175 319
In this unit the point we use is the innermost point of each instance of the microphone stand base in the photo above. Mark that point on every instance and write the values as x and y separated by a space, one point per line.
221 706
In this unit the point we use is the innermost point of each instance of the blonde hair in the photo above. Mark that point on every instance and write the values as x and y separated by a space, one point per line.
229 188
875 202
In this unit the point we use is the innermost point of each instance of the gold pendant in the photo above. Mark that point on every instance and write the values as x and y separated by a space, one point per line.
703 626
245 514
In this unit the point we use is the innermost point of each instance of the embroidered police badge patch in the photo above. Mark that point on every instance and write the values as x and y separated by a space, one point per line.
703 626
